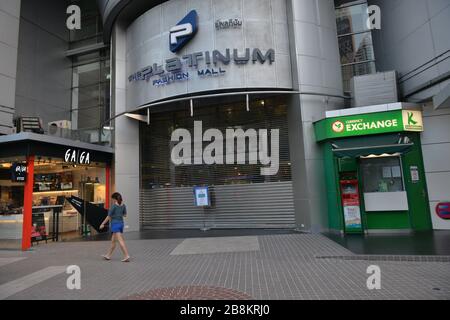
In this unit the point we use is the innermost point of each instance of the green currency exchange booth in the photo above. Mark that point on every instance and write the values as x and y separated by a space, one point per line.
374 171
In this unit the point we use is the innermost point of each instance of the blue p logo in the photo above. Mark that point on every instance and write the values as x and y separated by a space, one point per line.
183 32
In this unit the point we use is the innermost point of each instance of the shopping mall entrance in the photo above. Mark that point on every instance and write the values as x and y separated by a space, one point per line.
192 194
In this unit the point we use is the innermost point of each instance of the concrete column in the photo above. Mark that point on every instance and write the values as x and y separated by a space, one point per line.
9 43
315 69
126 134
436 152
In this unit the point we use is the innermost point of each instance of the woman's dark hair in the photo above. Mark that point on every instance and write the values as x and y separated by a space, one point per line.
118 197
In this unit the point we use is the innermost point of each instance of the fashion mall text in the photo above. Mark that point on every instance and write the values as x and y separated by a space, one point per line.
174 65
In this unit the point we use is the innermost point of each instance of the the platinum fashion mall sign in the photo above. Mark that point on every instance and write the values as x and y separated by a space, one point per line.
175 68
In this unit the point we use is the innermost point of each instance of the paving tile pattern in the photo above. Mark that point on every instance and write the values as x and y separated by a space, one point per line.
285 267
389 258
190 293
217 245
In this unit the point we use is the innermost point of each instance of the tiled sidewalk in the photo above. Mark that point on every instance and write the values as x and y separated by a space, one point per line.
291 266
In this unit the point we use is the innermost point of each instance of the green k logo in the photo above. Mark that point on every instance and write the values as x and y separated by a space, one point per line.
411 120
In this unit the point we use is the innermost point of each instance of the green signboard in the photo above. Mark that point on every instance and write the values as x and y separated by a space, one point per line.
367 124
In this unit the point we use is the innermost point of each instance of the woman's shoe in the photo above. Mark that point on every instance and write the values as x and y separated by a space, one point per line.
105 257
127 259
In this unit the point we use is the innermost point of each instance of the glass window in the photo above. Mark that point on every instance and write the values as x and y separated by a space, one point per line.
91 25
352 18
89 28
359 69
356 48
11 193
355 41
382 174
91 77
86 58
90 92
87 74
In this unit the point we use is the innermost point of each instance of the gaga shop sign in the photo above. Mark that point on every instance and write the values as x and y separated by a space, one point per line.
370 123
77 156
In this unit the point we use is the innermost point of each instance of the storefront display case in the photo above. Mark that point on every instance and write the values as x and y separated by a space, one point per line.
11 204
55 179
33 204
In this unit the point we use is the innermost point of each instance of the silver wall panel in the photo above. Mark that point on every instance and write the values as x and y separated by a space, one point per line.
414 33
315 68
126 136
148 43
436 155
44 73
262 205
9 42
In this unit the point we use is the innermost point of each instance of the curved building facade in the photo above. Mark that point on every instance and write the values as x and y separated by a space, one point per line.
307 114
206 67
252 53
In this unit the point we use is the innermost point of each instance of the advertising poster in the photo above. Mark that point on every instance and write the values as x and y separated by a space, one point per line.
352 216
38 230
351 205
414 174
201 197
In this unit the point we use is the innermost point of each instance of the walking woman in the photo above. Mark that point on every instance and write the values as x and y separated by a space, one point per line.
115 217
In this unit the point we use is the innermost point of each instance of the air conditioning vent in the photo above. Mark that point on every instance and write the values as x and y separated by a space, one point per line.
29 124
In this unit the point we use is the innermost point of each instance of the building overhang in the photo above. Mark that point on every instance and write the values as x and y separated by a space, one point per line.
442 99
86 49
372 109
27 143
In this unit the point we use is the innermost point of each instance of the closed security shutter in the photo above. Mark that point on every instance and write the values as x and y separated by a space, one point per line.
241 196
261 205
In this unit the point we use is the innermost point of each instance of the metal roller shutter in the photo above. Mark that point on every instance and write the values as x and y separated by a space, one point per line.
242 198
262 205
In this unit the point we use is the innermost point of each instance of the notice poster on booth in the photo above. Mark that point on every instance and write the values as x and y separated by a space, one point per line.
351 205
352 217
415 178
